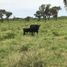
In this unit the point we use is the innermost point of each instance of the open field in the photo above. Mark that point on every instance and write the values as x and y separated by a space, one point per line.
47 49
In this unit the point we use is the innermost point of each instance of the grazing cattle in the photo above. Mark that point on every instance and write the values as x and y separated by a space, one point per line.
32 29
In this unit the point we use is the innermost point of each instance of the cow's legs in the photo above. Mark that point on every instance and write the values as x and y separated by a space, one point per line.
23 32
37 32
32 33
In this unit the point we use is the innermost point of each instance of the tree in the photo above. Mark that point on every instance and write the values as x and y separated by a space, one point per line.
42 10
65 2
47 11
38 15
2 14
8 14
54 11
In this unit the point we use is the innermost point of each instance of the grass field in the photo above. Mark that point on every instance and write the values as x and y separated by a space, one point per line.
47 49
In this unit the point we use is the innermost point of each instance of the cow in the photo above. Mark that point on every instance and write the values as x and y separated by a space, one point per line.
33 29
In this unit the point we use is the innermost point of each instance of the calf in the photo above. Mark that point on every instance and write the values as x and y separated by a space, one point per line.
26 30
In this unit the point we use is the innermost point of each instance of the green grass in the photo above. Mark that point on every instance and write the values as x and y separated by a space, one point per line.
47 49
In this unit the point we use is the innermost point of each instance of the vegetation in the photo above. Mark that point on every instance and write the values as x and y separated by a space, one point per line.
27 18
38 15
6 13
45 11
65 2
47 49
1 14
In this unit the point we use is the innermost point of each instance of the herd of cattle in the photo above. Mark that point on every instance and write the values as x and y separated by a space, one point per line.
32 29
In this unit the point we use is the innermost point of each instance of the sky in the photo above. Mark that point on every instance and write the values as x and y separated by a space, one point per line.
23 8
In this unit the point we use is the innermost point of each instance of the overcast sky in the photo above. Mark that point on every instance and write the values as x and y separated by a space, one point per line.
23 8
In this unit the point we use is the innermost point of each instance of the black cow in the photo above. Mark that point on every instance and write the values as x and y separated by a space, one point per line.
32 29
25 30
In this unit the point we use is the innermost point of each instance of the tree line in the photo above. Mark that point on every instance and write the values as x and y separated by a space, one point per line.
45 11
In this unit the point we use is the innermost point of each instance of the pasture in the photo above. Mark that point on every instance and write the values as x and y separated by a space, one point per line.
47 49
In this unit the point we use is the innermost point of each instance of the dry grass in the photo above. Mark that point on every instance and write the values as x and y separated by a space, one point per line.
47 49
